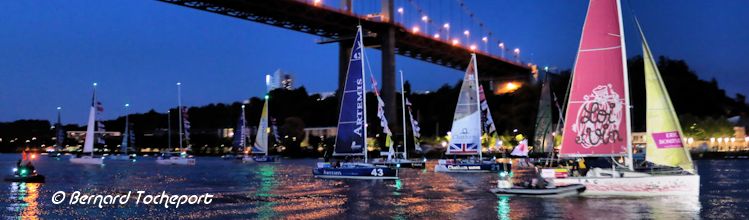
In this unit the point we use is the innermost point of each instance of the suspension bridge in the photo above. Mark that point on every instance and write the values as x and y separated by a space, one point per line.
403 27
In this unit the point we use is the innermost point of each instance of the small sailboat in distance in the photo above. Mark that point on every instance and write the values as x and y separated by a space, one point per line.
395 158
239 142
260 152
87 157
351 140
59 137
179 158
127 139
598 121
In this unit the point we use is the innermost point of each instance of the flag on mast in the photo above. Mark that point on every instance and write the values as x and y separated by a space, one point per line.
186 124
521 150
414 127
100 128
383 119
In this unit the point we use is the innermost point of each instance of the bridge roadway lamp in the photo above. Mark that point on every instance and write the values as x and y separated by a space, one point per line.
446 26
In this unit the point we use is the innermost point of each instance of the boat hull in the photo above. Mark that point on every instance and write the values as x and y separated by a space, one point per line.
88 160
471 168
356 173
176 161
567 190
637 186
402 163
265 159
121 157
28 179
232 157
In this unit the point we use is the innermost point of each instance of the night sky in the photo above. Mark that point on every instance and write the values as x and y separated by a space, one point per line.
52 51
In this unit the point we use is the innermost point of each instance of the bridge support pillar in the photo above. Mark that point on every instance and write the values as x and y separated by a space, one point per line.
388 78
388 67
344 51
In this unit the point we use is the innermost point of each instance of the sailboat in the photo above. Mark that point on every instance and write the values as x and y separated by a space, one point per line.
351 140
543 140
179 158
394 158
91 129
127 139
466 132
59 137
260 148
239 143
598 119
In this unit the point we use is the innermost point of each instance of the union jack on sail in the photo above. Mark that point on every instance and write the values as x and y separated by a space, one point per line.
469 148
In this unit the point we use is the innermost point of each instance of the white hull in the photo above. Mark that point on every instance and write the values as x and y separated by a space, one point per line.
443 168
175 161
661 185
87 160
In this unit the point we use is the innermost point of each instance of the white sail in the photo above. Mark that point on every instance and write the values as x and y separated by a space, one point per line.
465 134
261 139
88 145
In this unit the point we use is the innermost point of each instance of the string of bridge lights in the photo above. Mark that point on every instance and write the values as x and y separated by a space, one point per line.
425 22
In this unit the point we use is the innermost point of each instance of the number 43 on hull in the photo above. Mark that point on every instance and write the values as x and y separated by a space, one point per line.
354 171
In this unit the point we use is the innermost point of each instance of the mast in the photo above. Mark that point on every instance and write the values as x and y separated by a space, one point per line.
179 104
169 128
403 105
88 145
93 112
478 101
126 135
627 116
59 137
267 122
364 91
266 107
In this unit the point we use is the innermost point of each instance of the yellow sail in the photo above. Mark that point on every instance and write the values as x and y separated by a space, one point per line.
665 138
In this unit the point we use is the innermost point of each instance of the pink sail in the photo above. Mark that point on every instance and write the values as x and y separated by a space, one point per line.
597 117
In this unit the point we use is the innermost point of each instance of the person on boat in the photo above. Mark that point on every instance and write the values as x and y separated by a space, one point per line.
582 169
538 181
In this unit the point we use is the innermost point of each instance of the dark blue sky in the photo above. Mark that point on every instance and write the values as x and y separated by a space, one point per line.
51 51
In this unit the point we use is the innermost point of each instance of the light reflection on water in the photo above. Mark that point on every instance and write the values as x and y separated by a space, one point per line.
288 190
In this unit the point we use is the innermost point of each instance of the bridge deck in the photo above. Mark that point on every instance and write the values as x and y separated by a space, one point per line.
337 24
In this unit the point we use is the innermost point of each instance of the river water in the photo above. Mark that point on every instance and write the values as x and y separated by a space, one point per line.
288 190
